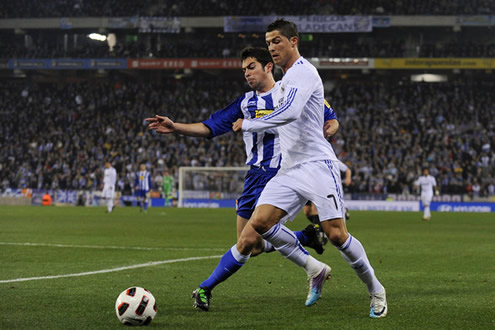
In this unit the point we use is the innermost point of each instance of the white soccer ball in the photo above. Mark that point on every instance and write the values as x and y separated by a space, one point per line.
135 306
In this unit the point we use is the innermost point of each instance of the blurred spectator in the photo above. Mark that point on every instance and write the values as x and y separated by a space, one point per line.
389 131
106 8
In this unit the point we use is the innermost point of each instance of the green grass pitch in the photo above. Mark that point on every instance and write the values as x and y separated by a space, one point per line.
438 274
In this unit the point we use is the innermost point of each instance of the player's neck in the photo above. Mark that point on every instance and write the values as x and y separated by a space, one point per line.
267 87
295 56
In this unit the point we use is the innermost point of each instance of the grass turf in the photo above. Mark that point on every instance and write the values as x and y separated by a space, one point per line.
438 274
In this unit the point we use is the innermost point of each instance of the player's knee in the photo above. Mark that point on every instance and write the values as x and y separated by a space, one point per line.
260 225
257 245
246 244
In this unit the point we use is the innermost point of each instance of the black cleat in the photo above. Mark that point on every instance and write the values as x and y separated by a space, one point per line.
202 298
322 237
313 239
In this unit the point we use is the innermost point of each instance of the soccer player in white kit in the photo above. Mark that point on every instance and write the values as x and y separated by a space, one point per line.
109 180
308 170
427 184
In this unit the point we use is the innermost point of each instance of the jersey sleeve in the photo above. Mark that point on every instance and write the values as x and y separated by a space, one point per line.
342 167
297 89
329 113
221 121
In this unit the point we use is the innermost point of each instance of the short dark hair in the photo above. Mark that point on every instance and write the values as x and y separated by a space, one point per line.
261 55
286 28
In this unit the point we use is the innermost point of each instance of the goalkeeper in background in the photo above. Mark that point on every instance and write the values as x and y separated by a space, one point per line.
167 184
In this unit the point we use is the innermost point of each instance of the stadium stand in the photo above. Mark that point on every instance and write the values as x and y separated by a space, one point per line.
390 126
389 130
95 8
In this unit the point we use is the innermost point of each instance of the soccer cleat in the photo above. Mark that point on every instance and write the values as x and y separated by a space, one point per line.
322 237
316 284
202 298
313 239
378 305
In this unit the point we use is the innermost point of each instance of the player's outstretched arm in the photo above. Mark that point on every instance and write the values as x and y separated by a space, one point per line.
165 125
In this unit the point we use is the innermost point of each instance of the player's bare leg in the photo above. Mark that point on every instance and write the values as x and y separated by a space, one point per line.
259 245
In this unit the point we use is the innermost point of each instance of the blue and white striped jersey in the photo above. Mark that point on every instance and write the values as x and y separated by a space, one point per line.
262 148
143 180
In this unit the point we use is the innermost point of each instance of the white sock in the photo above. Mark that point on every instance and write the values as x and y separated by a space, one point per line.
287 244
267 246
109 204
313 266
353 252
242 258
427 212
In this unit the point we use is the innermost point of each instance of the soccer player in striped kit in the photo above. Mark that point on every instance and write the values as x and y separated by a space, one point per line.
308 171
262 150
143 187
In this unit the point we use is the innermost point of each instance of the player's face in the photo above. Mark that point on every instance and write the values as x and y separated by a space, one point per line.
426 172
256 76
281 48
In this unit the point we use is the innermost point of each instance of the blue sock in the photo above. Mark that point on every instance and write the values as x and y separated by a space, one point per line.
303 239
146 206
227 266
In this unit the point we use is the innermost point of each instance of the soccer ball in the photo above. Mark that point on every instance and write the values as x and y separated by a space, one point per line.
135 306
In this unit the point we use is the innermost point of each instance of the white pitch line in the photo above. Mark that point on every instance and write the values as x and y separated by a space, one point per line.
148 264
106 247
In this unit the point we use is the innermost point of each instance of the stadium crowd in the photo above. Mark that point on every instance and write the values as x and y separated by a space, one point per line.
59 135
96 8
221 45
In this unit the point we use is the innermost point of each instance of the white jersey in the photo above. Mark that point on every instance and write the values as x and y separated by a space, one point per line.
299 115
110 177
426 183
109 180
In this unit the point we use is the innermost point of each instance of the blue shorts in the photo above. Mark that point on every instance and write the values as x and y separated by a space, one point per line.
254 183
141 193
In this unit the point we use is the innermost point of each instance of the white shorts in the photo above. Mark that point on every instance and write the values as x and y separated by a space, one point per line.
108 191
317 181
426 199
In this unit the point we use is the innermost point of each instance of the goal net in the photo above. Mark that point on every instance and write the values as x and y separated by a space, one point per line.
210 186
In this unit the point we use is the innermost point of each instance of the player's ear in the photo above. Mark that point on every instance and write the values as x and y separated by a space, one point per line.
294 41
269 67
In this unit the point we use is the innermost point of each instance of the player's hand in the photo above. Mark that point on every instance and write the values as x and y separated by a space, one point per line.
437 193
237 125
161 124
330 128
347 181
